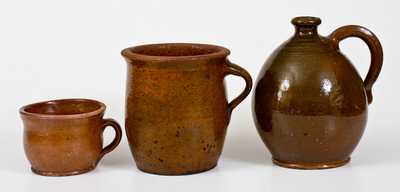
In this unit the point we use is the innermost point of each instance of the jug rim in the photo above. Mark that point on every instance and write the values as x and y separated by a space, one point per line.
174 52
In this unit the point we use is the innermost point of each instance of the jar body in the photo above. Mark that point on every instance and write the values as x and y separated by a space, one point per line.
310 106
176 114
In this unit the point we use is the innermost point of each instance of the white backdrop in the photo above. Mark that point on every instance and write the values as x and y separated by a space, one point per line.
62 49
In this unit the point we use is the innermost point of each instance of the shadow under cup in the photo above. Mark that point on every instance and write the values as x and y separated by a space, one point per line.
64 137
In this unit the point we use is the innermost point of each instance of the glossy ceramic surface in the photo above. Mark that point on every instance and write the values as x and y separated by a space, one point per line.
310 103
176 107
64 137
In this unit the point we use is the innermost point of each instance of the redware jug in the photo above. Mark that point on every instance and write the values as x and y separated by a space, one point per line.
310 104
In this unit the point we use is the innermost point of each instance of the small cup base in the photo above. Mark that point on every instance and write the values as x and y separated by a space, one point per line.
59 174
326 165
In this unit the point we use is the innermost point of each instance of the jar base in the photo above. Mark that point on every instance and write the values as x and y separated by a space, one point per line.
59 174
177 173
325 165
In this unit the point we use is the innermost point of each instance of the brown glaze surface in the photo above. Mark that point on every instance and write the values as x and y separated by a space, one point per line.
176 107
64 137
310 104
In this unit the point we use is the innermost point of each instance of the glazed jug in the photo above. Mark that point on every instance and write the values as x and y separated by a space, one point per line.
310 104
176 107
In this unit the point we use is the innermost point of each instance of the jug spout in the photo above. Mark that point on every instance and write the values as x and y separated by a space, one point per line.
306 26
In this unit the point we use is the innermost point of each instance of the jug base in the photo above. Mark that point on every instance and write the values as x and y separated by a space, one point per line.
177 173
58 174
325 165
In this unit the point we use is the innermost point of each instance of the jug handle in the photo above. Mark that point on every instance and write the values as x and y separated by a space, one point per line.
233 69
374 47
115 142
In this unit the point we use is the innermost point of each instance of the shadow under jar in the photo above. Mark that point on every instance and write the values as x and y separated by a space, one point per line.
64 137
176 107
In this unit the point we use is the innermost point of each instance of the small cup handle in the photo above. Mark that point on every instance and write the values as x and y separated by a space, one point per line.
374 46
233 69
115 142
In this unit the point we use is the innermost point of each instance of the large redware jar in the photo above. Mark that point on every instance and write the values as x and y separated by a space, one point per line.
177 112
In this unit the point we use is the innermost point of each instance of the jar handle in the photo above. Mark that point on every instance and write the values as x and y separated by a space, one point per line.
233 69
115 142
374 47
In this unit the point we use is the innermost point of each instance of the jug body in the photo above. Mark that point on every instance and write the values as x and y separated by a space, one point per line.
310 104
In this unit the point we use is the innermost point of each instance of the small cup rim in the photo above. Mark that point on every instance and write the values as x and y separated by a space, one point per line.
100 110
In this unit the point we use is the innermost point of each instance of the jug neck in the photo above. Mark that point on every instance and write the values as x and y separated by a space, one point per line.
306 27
